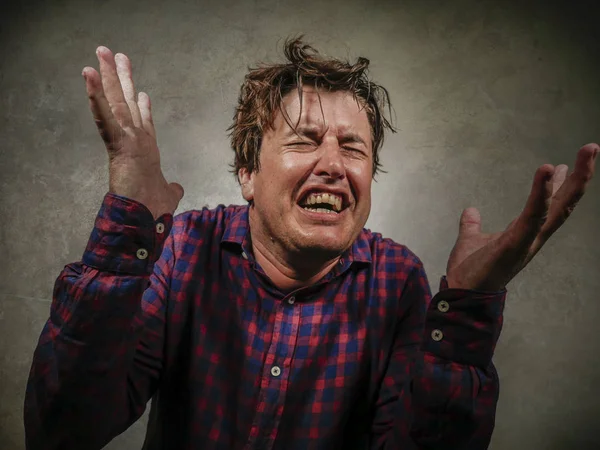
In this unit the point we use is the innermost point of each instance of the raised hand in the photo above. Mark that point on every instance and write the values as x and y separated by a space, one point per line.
126 127
489 261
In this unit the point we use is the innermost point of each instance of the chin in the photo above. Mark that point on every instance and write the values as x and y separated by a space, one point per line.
324 246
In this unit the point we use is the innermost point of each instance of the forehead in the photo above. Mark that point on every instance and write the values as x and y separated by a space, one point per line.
334 110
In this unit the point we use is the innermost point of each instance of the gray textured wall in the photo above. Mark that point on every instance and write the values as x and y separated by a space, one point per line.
484 92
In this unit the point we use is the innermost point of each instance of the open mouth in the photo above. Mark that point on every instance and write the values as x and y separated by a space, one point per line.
323 202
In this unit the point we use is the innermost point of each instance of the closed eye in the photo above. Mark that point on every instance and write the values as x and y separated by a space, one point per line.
352 149
302 144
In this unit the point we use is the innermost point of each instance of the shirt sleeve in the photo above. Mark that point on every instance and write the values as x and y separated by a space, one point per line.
99 357
440 389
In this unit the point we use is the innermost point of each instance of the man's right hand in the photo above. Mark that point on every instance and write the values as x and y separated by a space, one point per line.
126 127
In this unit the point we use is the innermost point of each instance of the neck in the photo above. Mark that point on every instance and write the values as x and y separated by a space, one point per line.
286 270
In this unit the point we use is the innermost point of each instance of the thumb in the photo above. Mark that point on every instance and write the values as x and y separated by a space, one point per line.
178 189
470 221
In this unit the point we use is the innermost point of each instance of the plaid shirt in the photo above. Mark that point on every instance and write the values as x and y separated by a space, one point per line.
178 310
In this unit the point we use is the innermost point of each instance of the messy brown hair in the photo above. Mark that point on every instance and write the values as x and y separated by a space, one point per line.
264 87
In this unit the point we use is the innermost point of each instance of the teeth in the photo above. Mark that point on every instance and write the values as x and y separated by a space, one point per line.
320 210
326 197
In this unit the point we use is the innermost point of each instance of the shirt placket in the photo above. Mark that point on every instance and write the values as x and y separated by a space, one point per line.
275 375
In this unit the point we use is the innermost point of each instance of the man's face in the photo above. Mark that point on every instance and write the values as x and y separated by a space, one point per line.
313 192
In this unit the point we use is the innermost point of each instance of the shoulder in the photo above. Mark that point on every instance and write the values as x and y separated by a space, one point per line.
388 255
398 271
199 223
220 213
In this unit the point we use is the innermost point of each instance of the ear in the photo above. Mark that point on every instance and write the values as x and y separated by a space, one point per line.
246 180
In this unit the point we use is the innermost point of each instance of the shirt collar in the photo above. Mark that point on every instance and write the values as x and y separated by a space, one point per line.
238 228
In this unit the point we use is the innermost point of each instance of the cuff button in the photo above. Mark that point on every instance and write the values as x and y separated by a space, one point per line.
443 306
142 253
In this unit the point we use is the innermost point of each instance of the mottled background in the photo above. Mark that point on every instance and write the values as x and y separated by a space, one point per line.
484 93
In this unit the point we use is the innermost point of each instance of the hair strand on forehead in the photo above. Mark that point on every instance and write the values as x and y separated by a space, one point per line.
299 84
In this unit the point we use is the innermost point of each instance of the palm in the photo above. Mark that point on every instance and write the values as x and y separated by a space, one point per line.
473 254
467 247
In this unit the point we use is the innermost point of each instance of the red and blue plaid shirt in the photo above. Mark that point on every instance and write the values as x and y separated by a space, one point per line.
178 310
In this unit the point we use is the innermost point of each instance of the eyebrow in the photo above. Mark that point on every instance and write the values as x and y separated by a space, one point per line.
314 132
353 137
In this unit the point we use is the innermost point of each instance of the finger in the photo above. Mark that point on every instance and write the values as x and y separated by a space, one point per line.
470 222
125 77
108 127
585 164
535 213
146 113
112 87
560 174
566 198
178 190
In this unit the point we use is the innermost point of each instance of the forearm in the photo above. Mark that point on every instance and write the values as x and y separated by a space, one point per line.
83 387
454 405
455 388
79 370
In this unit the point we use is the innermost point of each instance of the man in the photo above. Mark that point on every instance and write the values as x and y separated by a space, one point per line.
281 324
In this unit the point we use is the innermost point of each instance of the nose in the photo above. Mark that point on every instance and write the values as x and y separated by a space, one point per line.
330 163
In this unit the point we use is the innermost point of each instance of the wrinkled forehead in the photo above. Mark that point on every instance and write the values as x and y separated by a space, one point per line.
322 109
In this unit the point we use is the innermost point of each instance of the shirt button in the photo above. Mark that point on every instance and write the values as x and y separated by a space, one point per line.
443 306
437 335
160 227
275 371
291 300
244 255
142 253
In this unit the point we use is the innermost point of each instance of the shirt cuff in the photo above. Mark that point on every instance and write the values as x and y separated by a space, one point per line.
463 325
126 238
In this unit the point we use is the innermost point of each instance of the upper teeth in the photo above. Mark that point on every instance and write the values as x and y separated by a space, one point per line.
332 199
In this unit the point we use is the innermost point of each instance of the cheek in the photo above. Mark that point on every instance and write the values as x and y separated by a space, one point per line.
297 163
292 170
360 177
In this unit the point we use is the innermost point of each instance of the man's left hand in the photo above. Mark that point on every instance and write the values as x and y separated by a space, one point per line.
488 262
